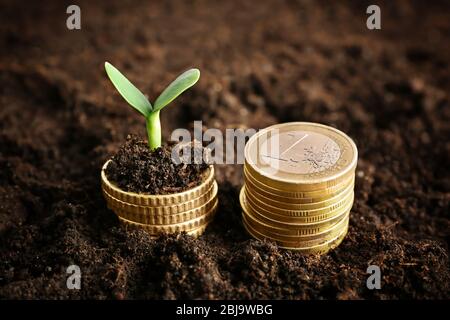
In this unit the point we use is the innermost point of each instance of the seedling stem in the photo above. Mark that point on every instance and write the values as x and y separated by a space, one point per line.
153 130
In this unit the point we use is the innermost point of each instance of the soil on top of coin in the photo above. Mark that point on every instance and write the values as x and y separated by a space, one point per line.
278 61
138 169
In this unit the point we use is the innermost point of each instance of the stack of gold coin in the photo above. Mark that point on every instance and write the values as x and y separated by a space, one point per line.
299 186
189 211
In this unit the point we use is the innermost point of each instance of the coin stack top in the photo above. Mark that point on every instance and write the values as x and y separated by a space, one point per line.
299 180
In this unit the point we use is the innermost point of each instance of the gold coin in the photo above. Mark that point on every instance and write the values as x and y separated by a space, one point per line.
300 241
316 219
298 197
293 242
331 209
193 233
173 228
292 205
293 234
280 215
318 249
157 200
145 212
167 219
306 228
299 188
300 156
197 232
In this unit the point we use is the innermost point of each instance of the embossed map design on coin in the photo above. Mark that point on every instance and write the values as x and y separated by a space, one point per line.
299 152
322 159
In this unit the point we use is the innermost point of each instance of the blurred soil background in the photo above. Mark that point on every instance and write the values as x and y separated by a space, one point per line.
262 62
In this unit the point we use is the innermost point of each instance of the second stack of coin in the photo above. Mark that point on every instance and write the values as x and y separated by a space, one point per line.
299 182
189 211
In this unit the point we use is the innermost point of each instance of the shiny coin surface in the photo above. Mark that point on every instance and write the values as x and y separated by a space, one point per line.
297 197
294 234
330 209
173 228
321 248
300 156
291 204
317 219
157 200
289 223
143 213
167 219
132 226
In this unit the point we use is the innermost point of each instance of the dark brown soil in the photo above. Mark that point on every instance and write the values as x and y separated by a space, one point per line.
277 61
135 168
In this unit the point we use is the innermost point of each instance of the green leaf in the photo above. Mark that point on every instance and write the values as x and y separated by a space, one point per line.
177 87
129 92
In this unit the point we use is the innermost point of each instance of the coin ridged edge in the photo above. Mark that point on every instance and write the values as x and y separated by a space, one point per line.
305 219
156 200
319 249
307 228
144 211
168 219
310 195
173 228
295 235
299 206
193 233
300 213
300 187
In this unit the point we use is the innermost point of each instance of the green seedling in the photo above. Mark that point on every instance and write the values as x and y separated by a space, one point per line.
137 100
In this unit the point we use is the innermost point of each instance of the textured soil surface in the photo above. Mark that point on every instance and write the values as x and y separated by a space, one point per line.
280 61
135 168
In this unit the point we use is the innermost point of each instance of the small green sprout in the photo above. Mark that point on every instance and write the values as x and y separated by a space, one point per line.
137 100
